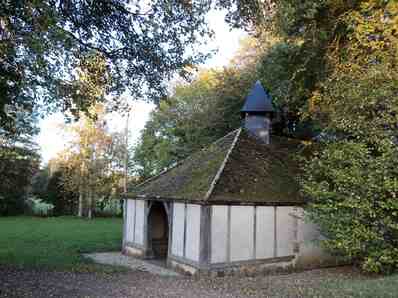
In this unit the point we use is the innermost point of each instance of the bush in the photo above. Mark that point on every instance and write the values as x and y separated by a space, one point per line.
353 193
37 207
17 166
108 208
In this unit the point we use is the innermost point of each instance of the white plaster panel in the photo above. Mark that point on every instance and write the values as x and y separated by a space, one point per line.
130 207
192 232
219 230
284 231
265 232
177 247
139 221
242 225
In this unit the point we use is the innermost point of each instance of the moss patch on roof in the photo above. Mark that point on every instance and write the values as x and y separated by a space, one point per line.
256 172
252 173
191 178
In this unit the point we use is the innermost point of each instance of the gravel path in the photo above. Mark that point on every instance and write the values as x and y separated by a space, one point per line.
116 258
39 283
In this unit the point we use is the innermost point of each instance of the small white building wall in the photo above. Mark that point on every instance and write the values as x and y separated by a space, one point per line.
186 231
139 222
238 233
192 234
219 234
285 231
129 221
134 221
242 233
265 232
177 246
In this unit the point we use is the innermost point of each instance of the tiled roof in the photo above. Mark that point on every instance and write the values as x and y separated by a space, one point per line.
235 169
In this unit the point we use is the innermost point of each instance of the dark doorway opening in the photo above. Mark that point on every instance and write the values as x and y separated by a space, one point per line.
158 231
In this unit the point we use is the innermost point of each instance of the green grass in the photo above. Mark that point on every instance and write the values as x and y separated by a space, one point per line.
56 242
365 288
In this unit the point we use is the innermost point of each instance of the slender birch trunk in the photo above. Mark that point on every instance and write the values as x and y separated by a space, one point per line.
126 155
80 211
81 189
90 205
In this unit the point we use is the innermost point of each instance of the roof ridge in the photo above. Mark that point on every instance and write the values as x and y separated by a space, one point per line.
221 169
186 158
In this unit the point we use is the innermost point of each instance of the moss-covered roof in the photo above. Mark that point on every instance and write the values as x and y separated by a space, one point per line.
258 172
235 169
191 178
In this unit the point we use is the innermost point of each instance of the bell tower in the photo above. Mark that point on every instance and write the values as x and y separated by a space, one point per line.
257 113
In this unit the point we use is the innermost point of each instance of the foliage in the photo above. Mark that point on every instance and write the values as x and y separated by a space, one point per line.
354 199
109 208
352 184
17 166
56 242
37 207
290 85
40 182
195 115
209 108
43 42
63 200
91 166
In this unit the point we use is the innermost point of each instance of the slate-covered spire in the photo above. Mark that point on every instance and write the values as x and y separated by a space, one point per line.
257 112
258 101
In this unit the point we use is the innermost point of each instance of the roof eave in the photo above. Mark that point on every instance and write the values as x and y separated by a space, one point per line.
215 202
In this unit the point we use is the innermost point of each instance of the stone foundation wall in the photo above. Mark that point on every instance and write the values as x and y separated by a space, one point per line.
182 268
247 268
133 251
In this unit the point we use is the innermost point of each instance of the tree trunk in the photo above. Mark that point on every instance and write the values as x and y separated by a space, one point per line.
80 211
126 153
90 205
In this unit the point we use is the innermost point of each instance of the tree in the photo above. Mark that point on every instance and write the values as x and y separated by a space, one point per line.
93 163
63 200
17 166
40 183
42 42
196 114
353 197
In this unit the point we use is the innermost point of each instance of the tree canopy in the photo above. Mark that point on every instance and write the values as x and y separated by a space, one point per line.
17 167
43 43
195 115
90 168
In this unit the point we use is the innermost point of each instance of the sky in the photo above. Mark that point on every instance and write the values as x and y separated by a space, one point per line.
52 139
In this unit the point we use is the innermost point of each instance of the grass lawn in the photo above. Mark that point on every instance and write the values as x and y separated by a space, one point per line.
386 286
56 242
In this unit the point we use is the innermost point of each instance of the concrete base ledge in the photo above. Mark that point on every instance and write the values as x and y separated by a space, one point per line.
133 252
239 268
242 268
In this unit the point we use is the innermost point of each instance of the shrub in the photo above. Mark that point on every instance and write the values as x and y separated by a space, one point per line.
37 207
353 195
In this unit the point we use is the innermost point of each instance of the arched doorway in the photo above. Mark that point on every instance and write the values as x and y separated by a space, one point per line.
158 230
